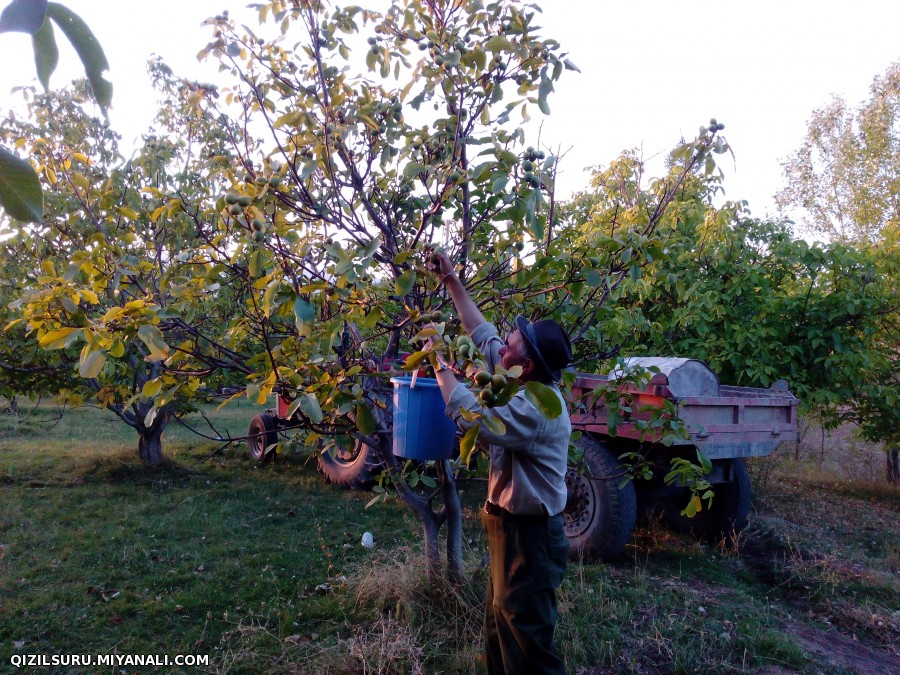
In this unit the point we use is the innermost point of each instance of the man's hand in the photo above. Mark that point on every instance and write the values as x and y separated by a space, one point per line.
439 263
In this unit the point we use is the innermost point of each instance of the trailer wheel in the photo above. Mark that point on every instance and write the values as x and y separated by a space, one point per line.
353 469
263 434
730 505
599 516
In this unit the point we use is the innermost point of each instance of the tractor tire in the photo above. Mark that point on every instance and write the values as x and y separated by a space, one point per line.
729 510
262 435
353 469
600 514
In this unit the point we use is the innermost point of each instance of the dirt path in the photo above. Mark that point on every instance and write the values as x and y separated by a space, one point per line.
838 650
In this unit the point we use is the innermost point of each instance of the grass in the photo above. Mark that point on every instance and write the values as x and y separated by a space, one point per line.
261 568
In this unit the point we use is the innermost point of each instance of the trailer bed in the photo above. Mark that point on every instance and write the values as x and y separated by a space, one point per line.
724 421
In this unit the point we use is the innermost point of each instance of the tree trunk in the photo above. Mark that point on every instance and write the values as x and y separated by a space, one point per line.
150 446
150 436
893 466
453 514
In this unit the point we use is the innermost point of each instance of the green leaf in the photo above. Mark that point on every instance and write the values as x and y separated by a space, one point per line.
88 49
594 278
405 282
413 169
544 398
544 106
23 16
365 420
305 315
494 425
498 43
704 461
467 443
428 481
91 366
46 53
309 404
152 337
20 189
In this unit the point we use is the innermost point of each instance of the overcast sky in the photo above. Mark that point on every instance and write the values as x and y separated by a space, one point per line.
651 72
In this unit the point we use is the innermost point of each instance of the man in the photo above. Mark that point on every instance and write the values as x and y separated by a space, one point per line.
526 487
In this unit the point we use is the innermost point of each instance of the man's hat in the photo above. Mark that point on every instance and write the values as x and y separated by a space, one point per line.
548 345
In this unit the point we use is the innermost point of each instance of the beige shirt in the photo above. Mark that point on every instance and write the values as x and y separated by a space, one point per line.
528 462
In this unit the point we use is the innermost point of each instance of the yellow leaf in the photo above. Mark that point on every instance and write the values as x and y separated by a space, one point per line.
90 296
81 157
91 366
81 181
57 339
151 388
128 212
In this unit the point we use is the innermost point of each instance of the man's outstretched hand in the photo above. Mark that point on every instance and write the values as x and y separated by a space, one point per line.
439 264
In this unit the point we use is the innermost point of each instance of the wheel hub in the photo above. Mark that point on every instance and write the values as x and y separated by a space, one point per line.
579 511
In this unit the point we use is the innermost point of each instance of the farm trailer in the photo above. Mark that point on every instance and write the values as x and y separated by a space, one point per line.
727 423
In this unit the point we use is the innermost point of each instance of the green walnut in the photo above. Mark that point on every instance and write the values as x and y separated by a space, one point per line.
258 224
482 378
259 237
231 197
244 201
235 210
487 397
498 383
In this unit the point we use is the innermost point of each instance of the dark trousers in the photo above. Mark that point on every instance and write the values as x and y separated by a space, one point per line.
528 559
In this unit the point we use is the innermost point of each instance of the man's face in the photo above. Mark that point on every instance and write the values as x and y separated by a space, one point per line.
514 352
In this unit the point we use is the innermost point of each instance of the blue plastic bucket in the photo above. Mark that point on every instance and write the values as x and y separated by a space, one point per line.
421 429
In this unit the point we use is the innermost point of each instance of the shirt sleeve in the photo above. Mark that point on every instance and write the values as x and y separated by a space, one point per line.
522 421
487 338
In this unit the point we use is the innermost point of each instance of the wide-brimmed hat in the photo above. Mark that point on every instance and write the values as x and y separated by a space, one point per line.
548 345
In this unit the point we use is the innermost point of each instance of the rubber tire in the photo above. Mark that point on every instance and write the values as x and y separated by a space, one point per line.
263 433
728 514
355 472
600 515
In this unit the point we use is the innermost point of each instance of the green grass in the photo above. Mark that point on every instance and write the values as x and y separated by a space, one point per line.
261 568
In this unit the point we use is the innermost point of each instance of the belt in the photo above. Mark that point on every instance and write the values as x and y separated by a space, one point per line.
499 511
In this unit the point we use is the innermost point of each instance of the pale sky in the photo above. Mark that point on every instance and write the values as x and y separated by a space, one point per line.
650 72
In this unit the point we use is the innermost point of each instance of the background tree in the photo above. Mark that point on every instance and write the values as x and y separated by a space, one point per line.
758 305
846 178
101 281
846 174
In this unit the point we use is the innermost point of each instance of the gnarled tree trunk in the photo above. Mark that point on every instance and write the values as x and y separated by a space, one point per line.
150 436
432 520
